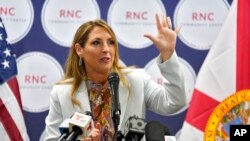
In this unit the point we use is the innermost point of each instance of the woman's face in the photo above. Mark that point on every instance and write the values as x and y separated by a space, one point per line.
98 52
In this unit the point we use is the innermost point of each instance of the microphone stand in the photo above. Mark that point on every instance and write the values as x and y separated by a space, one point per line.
133 137
116 120
63 137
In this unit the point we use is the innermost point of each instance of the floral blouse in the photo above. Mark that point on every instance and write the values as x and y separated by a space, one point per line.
100 103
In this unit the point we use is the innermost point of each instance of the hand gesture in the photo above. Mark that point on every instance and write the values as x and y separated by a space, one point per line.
165 40
95 134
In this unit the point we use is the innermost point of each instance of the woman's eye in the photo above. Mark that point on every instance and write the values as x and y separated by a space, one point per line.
96 42
111 42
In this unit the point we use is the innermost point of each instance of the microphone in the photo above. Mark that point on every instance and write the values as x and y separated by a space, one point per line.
155 131
64 130
113 79
80 126
134 128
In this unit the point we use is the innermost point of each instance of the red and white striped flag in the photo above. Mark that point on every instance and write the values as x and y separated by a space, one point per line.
12 126
225 71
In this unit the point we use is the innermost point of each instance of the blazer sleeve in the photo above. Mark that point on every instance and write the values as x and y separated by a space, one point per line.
54 117
171 96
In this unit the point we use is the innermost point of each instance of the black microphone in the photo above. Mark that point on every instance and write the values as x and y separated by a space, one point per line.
134 128
64 130
88 113
155 131
113 79
76 131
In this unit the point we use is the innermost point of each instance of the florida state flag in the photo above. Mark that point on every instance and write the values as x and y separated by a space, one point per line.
219 98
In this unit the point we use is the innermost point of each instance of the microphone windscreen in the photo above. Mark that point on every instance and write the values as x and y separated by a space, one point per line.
155 131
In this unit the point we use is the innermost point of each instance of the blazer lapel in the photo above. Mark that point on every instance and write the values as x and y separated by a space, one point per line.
123 98
82 95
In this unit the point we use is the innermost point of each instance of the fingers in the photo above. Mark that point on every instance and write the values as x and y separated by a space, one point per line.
95 134
150 37
98 126
177 30
163 22
164 26
169 22
158 22
88 139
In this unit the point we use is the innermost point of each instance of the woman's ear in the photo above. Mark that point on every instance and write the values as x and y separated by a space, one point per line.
79 49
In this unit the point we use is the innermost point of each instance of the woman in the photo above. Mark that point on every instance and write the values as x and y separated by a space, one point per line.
92 57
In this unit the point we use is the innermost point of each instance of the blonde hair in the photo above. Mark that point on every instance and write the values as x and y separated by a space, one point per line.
77 73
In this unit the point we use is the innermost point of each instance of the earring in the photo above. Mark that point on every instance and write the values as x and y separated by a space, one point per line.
80 61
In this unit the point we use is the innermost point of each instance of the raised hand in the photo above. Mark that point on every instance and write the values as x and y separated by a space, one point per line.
165 40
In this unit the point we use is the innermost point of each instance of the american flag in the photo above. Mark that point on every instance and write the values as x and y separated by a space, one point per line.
12 126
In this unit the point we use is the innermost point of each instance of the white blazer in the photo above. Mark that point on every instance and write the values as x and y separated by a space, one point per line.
144 94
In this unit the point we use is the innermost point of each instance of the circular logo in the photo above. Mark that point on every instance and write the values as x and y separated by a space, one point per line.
233 110
17 16
200 21
132 19
61 18
37 73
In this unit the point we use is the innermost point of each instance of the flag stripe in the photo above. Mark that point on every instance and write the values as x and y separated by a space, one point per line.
9 123
243 45
199 111
13 84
